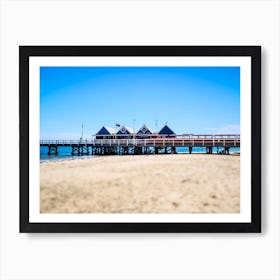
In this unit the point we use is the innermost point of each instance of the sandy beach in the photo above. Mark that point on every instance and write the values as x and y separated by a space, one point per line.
181 183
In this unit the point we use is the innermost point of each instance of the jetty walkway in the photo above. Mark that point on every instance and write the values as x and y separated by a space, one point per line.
134 146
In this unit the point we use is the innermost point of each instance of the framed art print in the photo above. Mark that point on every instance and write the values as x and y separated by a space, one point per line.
140 138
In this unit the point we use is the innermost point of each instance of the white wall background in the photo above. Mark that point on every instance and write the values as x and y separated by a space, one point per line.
139 256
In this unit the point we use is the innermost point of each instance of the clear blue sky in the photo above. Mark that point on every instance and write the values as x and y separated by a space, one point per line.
189 99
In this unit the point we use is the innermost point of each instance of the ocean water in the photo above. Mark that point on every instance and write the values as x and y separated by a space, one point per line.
64 153
201 150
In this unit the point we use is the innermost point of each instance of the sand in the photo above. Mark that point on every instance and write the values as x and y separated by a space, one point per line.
181 183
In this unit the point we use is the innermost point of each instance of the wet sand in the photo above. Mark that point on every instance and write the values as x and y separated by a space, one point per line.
181 183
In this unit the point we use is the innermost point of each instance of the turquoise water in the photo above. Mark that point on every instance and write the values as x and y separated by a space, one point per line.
64 153
203 150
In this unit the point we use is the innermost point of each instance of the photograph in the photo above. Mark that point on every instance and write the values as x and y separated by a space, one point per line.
140 138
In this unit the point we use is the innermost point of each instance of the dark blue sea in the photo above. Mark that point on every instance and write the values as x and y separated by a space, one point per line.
64 153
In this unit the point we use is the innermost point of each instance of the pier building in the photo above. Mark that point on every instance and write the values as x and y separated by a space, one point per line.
105 132
125 132
145 132
166 131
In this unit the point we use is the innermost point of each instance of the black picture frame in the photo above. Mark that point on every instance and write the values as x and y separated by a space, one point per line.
254 52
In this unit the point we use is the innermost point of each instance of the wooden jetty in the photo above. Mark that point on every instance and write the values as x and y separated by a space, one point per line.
135 146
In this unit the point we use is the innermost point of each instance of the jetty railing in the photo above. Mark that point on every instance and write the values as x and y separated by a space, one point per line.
182 139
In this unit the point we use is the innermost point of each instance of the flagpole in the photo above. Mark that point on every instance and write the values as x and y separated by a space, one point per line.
134 128
117 125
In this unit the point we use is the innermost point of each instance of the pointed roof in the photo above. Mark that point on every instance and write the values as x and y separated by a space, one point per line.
145 130
166 130
125 130
106 130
